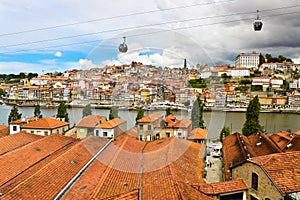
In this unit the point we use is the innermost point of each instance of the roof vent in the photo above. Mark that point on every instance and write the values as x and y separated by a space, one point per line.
245 147
248 155
73 162
260 137
292 135
37 149
258 144
289 145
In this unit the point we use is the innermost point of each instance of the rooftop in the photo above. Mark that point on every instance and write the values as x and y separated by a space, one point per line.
150 118
111 123
198 134
45 123
91 121
283 169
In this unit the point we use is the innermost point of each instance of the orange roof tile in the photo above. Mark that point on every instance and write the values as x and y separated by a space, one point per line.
283 168
24 120
64 167
17 140
45 123
112 123
91 121
222 187
4 131
198 134
150 118
15 162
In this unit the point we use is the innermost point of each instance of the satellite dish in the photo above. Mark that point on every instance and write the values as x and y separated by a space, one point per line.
257 25
123 47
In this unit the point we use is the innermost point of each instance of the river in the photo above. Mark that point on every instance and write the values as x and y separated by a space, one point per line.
214 121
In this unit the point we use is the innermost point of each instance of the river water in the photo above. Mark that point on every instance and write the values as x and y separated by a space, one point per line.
214 121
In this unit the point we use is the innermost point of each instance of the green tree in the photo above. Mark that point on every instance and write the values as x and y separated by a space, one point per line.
113 113
252 124
224 133
140 114
2 92
261 59
62 112
87 110
14 114
197 114
37 112
168 111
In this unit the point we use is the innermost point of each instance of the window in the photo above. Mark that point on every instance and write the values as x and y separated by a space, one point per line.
168 134
254 181
141 127
97 132
104 134
45 133
141 137
32 132
179 134
149 127
14 128
267 198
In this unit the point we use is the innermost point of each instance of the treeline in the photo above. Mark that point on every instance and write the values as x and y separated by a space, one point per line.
10 78
268 58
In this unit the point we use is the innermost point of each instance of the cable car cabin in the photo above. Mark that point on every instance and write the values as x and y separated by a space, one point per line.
123 47
257 24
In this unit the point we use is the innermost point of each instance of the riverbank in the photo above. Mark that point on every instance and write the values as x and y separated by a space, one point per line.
174 107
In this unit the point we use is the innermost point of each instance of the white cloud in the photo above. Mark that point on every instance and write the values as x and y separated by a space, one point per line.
86 64
58 54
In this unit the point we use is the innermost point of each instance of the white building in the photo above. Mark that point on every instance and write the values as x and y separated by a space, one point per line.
111 128
248 60
239 72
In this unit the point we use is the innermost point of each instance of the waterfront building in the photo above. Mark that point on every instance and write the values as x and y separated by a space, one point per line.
15 126
247 60
87 125
153 127
46 126
111 128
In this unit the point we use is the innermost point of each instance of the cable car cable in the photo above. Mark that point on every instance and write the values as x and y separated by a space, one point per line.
149 33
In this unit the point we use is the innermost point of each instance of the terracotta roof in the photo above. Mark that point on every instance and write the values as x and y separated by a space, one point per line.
150 118
15 162
111 123
115 174
222 187
17 140
64 167
198 134
45 123
283 168
184 123
293 145
91 121
281 139
4 131
262 144
24 120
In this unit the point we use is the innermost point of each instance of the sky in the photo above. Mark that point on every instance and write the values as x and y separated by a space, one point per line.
58 35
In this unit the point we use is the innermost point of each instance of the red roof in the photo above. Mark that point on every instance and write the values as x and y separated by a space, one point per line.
45 123
91 121
4 131
111 123
222 187
15 141
198 134
150 118
283 169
